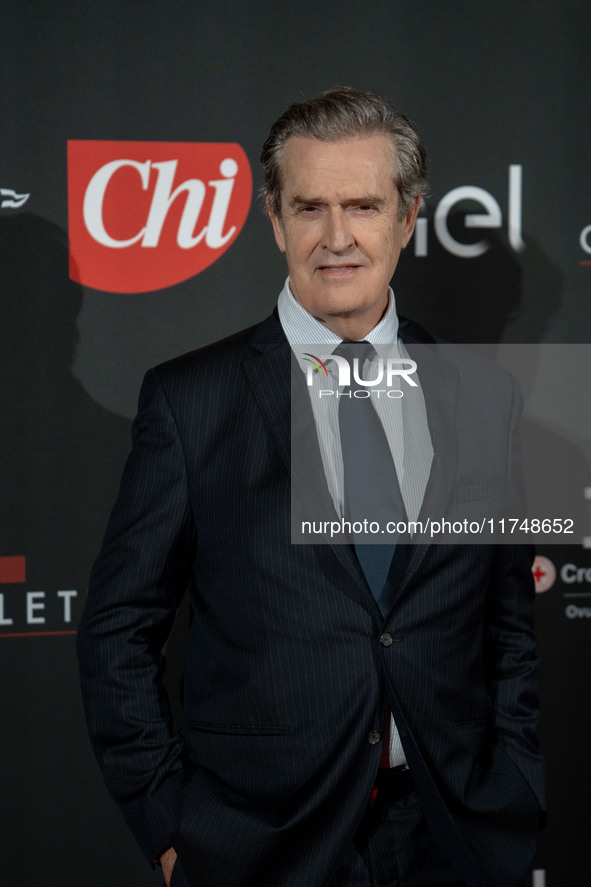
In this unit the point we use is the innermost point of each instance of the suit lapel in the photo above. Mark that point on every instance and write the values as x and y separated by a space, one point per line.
439 382
269 375
267 371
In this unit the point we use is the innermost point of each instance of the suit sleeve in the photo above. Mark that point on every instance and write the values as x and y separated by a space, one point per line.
135 587
511 663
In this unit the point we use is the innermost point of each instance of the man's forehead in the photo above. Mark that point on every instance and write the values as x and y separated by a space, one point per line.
320 163
377 144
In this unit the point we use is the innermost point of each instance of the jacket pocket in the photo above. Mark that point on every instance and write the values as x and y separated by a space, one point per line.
482 488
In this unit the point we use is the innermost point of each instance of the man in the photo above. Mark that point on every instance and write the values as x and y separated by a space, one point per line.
333 734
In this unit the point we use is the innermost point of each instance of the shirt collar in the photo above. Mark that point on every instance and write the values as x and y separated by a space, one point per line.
302 330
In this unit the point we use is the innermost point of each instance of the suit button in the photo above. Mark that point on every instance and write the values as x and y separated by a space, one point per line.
386 639
374 737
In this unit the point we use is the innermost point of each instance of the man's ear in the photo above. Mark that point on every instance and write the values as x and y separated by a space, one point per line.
277 225
410 221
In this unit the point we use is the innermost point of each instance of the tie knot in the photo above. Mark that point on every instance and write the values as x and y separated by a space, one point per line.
363 351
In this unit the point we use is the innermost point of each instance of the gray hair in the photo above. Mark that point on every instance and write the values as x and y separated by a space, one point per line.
342 113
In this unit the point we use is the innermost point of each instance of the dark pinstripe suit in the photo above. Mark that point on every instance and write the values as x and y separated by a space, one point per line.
286 676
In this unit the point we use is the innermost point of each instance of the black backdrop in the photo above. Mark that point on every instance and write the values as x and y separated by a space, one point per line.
494 86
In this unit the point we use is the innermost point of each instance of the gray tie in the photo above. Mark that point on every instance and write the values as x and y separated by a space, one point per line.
371 489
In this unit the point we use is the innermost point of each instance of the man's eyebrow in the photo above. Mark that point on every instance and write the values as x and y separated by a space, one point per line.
370 199
296 200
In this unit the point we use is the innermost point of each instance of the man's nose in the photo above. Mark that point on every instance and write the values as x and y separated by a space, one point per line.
338 235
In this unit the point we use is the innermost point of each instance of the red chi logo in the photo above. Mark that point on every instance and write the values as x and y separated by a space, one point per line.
146 215
544 573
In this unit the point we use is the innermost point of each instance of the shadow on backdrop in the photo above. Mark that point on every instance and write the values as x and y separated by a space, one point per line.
500 296
61 456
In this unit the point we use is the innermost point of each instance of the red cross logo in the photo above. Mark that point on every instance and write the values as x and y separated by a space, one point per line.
544 573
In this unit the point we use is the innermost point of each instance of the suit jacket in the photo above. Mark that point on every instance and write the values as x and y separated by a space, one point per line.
286 676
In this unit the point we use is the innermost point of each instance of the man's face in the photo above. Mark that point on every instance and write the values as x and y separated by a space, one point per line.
339 228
